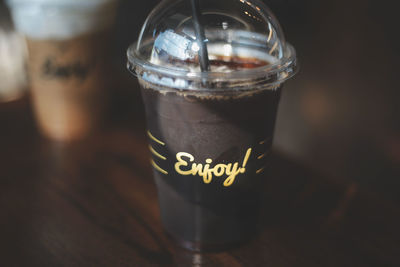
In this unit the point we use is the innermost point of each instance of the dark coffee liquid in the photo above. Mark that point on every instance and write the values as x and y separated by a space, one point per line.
237 63
201 205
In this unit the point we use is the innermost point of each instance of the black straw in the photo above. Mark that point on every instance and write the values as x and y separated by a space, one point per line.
200 36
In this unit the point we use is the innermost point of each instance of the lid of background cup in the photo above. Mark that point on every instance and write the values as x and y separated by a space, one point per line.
59 2
168 51
61 19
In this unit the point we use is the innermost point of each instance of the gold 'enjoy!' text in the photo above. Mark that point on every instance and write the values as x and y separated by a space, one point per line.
231 169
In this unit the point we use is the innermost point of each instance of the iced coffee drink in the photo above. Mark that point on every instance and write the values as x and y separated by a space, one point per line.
210 131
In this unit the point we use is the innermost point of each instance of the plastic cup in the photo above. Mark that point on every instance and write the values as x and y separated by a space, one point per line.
210 132
67 42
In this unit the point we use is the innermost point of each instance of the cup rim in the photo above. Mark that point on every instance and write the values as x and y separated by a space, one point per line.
287 66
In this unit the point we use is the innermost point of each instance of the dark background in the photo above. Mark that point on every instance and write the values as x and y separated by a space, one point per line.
340 115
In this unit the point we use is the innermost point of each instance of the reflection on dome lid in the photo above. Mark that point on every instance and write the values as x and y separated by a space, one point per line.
236 29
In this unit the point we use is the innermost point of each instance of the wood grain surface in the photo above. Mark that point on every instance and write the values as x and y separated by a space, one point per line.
94 203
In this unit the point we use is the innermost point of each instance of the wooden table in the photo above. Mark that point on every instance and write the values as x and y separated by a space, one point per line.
94 203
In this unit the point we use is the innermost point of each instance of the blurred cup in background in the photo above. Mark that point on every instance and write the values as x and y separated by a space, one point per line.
67 42
13 80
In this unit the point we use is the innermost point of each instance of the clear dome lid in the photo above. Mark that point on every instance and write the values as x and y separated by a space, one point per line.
198 44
